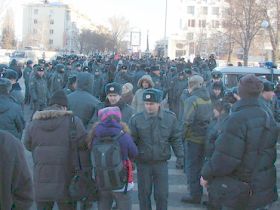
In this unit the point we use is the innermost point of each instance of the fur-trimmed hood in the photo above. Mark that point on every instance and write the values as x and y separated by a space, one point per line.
147 78
51 119
50 114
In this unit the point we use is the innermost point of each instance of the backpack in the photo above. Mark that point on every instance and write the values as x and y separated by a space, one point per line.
110 171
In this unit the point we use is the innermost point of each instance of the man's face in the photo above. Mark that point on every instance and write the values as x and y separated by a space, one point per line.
217 92
268 95
113 98
41 73
152 107
157 72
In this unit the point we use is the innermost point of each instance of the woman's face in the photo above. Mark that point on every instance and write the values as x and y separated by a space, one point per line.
145 84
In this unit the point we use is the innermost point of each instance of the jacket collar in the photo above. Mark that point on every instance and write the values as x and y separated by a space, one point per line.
243 103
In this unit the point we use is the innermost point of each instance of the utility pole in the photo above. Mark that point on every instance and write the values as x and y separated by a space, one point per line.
165 24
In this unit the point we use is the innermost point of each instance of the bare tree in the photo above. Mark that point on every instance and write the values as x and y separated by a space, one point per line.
89 41
119 28
245 17
272 16
8 32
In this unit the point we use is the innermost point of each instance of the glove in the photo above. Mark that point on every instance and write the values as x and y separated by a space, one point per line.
180 163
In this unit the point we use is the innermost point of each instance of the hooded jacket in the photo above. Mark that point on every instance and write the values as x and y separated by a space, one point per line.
81 101
16 188
197 115
137 101
11 116
48 138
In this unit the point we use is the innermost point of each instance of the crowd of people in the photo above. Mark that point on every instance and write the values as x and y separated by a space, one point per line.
101 117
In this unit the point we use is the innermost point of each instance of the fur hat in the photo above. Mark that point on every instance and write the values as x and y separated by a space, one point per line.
152 95
250 86
110 113
59 98
5 86
114 88
11 74
268 86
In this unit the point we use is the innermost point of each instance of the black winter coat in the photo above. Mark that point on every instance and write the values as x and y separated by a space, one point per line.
236 152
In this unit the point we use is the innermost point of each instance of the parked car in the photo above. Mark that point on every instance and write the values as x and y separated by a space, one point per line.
232 74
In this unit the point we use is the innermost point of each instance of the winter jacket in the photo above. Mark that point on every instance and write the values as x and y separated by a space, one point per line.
127 97
197 115
82 102
128 148
57 82
16 188
17 94
47 137
26 75
176 88
213 132
154 136
237 149
137 101
98 86
39 89
11 116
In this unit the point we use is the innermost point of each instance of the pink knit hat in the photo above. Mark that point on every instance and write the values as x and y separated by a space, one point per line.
110 113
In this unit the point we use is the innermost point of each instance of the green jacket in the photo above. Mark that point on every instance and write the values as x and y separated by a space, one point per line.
154 136
197 115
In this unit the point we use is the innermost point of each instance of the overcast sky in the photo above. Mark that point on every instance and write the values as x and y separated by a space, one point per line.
143 15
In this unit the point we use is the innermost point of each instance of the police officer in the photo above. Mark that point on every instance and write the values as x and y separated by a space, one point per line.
11 115
39 89
57 80
154 131
113 93
26 75
71 84
267 100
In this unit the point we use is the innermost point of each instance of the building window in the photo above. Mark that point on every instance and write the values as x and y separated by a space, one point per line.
51 22
35 21
215 11
202 23
35 11
205 10
190 36
50 41
51 31
190 10
191 23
